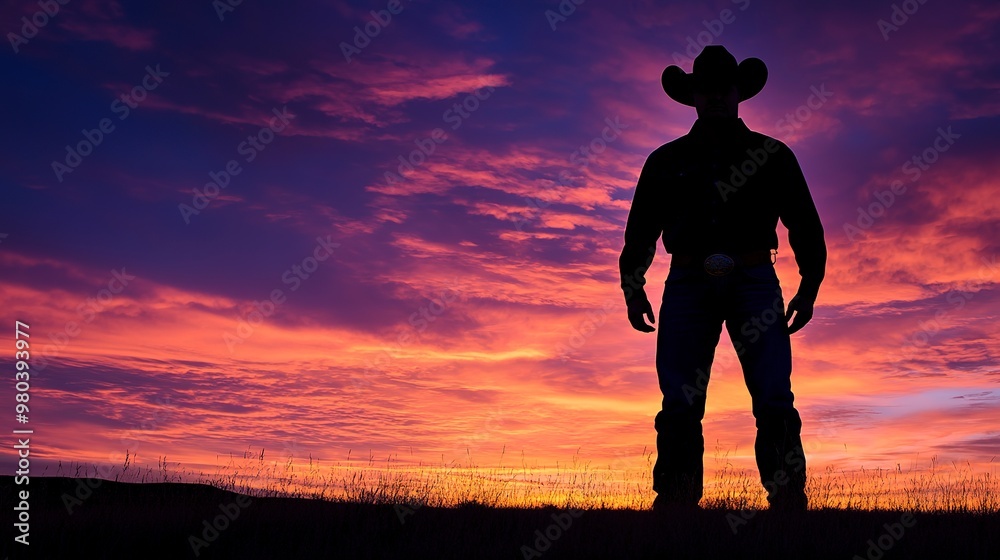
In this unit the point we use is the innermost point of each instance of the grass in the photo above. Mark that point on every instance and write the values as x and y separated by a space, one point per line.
390 509
577 484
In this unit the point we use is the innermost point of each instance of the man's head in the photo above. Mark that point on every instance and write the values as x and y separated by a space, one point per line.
716 84
717 101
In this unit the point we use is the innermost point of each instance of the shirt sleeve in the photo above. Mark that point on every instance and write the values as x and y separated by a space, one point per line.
805 230
642 230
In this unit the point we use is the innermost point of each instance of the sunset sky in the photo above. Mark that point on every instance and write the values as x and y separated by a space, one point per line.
331 297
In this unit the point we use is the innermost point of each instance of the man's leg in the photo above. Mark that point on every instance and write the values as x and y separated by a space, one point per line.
690 325
756 325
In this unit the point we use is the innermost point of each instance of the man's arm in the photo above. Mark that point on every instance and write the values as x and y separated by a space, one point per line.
642 230
805 230
805 236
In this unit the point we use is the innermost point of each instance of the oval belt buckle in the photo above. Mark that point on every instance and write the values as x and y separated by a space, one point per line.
719 264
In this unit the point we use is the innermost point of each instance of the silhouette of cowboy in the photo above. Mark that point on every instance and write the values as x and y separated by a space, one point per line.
716 195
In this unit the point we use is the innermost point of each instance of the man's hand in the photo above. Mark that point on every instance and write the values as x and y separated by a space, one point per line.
636 309
803 309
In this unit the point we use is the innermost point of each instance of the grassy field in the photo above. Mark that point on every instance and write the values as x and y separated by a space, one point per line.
254 508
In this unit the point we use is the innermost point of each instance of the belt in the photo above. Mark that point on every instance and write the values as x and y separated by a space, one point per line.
720 264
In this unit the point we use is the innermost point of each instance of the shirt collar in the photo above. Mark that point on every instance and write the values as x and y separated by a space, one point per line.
705 127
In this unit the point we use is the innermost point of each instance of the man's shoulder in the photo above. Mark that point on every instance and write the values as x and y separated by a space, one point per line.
769 143
677 145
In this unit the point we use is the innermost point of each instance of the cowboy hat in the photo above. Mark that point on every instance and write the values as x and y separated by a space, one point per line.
714 67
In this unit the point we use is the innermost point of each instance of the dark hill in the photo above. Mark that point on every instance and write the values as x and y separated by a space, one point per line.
128 520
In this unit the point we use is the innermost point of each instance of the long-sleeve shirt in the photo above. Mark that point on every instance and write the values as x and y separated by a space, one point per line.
721 188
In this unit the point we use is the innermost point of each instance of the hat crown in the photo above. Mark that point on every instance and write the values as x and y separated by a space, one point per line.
715 63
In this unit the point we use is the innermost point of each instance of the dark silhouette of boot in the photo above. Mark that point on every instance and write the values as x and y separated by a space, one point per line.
667 507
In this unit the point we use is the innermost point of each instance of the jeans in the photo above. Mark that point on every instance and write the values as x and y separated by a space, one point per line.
695 305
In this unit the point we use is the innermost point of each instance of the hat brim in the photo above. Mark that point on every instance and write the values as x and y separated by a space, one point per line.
751 75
